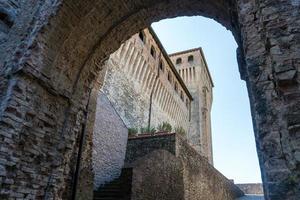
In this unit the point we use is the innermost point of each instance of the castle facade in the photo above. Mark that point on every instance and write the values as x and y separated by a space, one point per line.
144 87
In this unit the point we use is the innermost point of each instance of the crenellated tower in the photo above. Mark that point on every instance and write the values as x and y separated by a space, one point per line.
192 67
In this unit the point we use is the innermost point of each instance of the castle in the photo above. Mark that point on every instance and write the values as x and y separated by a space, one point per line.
144 87
53 51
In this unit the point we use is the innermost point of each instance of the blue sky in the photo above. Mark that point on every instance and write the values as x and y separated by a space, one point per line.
233 138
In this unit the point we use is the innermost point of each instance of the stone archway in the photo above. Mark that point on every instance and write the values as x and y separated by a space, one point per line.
51 53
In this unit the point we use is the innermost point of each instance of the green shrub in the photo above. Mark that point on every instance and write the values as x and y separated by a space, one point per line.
165 126
132 132
179 130
145 130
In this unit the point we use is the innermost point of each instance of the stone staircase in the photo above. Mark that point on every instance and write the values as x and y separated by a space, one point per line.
118 189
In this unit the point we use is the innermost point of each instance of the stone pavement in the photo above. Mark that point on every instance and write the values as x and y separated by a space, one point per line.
251 197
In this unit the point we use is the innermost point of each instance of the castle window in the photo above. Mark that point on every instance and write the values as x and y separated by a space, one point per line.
178 61
176 87
169 77
152 51
187 103
142 36
181 96
190 58
161 66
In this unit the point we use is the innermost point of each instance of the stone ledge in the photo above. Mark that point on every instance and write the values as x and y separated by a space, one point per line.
251 188
144 136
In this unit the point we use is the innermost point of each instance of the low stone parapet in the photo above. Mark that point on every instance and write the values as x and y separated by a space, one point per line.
166 166
251 188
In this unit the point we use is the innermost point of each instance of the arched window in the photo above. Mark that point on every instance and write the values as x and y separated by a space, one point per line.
178 61
152 51
142 36
161 66
190 58
176 87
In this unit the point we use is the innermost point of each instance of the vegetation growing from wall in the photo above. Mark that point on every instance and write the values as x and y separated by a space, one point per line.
179 130
165 127
132 132
148 130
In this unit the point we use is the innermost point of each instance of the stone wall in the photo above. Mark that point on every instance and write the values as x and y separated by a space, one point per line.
137 83
140 146
200 179
109 142
157 176
251 188
8 11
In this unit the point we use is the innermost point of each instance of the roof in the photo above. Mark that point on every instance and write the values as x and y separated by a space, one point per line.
202 55
159 44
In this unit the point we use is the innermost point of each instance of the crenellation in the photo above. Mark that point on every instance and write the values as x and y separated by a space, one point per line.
152 81
170 106
119 51
123 51
166 101
136 66
127 53
148 76
129 58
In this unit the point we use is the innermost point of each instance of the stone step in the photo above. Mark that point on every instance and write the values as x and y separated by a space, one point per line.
118 189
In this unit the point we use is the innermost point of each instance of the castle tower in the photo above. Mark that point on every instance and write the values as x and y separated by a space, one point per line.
192 67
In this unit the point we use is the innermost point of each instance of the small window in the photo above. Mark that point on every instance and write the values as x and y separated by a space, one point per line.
161 66
152 51
181 96
191 58
187 103
176 87
178 61
142 36
170 77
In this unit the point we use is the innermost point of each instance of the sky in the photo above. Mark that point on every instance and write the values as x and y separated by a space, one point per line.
234 148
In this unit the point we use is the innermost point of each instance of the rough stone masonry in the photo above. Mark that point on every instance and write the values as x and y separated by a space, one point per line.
49 61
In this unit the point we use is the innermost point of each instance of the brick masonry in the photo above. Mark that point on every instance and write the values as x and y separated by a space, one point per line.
52 51
167 167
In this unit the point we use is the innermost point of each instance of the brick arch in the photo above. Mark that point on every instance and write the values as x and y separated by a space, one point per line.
53 52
